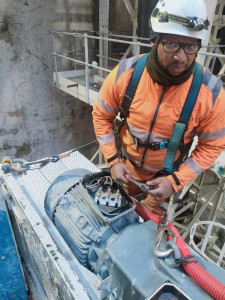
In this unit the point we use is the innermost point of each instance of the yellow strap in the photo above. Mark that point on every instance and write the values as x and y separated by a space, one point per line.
6 159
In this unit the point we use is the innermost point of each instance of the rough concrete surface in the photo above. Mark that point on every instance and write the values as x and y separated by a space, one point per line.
37 119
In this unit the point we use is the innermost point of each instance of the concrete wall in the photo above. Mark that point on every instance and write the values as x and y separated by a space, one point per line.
36 119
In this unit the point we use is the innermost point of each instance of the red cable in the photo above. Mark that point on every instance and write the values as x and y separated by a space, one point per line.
210 284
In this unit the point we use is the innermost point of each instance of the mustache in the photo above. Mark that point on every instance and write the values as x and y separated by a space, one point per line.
176 64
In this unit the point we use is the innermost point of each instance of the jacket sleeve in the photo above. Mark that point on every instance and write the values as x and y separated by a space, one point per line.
105 110
211 142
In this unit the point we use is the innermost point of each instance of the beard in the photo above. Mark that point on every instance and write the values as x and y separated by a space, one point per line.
175 68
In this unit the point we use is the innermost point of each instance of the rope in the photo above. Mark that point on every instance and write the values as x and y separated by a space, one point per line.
20 165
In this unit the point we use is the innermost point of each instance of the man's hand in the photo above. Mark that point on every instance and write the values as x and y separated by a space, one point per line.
164 189
118 170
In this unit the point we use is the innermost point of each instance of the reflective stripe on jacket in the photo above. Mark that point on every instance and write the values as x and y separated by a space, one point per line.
207 120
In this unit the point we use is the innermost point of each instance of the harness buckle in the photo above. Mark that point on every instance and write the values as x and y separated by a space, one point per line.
122 113
124 108
136 143
159 146
154 146
163 145
170 170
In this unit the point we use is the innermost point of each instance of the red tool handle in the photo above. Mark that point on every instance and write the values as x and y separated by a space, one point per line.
127 176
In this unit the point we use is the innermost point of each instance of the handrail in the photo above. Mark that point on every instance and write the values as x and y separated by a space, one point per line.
86 64
135 43
204 242
80 62
128 37
103 38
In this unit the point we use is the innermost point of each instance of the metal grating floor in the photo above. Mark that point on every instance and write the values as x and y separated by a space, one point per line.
37 182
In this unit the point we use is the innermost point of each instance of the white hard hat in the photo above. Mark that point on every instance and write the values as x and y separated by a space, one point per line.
182 17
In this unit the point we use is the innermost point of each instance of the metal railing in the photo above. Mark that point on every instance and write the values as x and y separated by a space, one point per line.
207 246
111 38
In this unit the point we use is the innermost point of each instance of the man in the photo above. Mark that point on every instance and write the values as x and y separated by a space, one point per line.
157 104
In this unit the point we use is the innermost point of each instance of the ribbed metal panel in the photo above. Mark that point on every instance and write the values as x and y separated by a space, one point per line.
78 222
76 241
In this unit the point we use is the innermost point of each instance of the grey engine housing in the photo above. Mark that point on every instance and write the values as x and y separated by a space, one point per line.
114 245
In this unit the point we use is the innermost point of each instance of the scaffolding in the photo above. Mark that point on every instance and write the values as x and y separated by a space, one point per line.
89 67
92 55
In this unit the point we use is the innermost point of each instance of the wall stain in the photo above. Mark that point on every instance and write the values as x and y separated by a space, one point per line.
13 131
5 146
15 57
3 132
23 150
44 64
5 27
16 113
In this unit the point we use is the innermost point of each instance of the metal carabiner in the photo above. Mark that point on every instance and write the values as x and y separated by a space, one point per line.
54 158
162 229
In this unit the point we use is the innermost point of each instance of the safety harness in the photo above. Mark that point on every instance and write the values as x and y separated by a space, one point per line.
177 139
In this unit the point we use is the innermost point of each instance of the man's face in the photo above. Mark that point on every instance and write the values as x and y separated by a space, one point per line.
178 62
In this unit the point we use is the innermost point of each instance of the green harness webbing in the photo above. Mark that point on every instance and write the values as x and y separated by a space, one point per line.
182 125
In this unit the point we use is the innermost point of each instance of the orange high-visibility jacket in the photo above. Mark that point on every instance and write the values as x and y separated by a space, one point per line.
207 120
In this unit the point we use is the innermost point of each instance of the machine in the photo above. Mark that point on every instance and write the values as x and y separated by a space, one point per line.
80 237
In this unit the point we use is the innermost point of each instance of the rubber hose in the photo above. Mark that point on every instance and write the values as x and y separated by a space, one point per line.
210 284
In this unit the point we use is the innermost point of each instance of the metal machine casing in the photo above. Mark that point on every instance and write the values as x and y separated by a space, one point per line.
134 271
